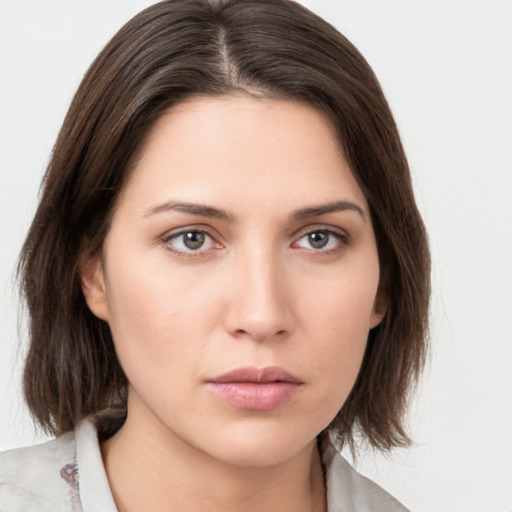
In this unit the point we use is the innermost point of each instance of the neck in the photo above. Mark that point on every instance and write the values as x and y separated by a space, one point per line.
150 469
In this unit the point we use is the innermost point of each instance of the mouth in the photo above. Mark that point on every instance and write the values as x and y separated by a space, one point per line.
254 389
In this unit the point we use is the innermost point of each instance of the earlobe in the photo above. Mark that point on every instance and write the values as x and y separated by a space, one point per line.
380 306
92 280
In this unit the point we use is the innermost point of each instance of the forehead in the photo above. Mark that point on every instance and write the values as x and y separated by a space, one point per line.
241 149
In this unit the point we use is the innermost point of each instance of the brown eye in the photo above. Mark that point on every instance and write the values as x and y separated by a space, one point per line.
190 241
193 240
318 240
322 240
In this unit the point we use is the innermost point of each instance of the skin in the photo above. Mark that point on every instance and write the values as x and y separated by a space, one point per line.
258 292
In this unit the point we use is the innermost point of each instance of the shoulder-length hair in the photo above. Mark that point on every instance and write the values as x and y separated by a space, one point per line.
167 53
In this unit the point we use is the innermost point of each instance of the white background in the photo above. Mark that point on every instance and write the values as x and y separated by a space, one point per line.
446 68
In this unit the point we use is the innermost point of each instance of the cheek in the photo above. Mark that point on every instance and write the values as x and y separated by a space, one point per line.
342 308
339 322
154 321
341 352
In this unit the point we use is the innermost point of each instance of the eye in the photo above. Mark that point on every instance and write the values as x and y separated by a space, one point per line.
322 240
190 241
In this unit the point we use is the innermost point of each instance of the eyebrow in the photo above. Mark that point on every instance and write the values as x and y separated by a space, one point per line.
323 209
217 213
191 208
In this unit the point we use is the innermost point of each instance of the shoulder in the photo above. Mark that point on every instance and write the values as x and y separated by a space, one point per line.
63 475
37 477
349 491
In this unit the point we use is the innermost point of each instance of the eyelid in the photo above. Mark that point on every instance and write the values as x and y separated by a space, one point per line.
342 235
175 233
313 228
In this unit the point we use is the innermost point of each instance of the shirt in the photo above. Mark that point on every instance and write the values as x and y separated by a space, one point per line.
67 475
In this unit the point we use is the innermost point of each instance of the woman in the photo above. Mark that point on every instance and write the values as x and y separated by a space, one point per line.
227 275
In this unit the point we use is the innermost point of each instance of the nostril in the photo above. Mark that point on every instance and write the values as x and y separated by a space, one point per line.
242 333
259 336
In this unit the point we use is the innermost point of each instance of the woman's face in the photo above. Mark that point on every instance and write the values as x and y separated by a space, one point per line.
239 278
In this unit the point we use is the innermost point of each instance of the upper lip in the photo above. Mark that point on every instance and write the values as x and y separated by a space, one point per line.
259 375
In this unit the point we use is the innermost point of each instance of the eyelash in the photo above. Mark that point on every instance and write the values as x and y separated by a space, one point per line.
190 253
343 240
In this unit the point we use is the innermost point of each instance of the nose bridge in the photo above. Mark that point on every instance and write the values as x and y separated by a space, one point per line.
259 306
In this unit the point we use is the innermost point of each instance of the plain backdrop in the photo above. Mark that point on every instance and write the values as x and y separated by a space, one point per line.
446 68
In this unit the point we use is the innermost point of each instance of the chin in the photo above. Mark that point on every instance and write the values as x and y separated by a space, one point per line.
258 456
261 447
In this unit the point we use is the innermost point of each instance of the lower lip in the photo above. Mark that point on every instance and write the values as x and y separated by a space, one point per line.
255 396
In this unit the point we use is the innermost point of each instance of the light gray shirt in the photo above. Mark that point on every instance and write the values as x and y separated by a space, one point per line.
67 475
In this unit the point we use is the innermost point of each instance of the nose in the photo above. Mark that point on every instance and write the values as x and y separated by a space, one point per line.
259 301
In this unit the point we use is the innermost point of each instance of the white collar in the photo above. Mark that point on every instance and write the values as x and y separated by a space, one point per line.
347 490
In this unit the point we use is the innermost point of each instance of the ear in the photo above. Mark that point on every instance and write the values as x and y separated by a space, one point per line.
380 306
92 279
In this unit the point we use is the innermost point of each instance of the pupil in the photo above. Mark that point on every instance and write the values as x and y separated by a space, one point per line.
193 240
318 239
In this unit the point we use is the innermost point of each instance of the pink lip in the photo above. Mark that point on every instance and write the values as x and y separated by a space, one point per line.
256 389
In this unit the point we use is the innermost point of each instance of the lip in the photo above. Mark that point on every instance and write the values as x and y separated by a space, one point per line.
256 389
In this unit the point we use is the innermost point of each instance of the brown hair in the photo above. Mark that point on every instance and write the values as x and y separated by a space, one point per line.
166 53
